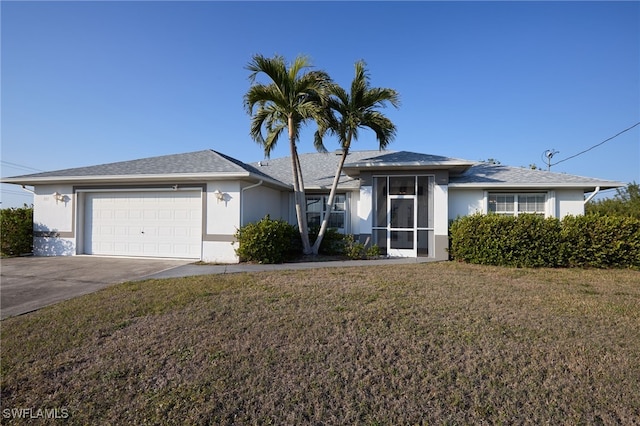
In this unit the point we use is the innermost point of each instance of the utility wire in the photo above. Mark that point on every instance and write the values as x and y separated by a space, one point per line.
6 191
596 145
19 166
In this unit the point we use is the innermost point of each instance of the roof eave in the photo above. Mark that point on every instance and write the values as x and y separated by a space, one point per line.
355 168
325 188
143 178
587 186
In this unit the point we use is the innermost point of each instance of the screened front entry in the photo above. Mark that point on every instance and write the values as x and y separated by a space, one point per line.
403 215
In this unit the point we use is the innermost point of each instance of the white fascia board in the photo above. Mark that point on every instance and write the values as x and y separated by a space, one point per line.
140 178
410 168
516 186
328 188
420 164
120 178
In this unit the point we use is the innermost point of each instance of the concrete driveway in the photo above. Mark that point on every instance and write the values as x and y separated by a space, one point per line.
30 283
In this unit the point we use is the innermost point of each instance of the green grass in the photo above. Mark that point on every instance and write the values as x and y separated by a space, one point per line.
438 343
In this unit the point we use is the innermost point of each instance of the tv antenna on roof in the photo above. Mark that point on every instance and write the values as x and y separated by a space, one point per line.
548 154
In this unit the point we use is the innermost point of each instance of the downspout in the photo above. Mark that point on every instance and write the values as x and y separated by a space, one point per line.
242 200
590 197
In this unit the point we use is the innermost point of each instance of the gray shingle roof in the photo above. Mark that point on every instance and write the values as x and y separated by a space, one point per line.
206 162
406 159
319 168
491 176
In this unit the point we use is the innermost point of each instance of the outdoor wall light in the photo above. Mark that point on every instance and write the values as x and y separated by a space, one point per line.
219 195
58 197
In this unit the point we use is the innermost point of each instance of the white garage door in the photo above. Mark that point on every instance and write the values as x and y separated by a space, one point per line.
153 224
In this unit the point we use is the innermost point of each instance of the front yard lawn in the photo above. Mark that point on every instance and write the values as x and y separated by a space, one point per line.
443 343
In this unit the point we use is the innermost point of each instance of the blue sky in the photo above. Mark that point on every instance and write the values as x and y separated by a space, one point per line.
87 83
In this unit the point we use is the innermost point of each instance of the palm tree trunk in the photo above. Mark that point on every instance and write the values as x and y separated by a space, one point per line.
334 187
298 193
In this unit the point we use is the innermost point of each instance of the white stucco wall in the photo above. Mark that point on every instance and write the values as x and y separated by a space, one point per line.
569 202
219 252
52 215
363 208
464 202
560 202
441 209
259 201
223 217
55 217
53 246
222 220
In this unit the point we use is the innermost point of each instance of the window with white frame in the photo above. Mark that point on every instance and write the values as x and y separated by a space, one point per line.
317 209
513 204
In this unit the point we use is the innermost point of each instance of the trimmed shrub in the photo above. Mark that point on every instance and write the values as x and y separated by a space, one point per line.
16 226
353 249
268 241
598 241
533 241
524 241
356 250
332 242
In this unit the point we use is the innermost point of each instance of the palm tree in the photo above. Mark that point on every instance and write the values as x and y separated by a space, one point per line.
347 113
292 97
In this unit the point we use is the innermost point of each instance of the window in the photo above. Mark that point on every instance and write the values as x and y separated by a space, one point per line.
317 209
513 204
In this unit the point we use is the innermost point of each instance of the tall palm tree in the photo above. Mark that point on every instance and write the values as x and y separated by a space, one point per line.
346 114
292 97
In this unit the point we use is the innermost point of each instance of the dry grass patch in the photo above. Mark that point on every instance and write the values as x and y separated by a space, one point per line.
440 343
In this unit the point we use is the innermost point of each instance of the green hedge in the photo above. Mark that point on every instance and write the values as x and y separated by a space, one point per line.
16 228
268 241
534 241
601 241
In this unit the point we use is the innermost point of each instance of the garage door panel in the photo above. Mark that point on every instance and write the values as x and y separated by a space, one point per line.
166 232
106 231
144 224
149 215
165 215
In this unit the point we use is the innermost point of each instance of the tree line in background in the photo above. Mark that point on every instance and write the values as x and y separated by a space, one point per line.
626 202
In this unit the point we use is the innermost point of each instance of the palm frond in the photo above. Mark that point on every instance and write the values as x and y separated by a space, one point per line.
378 97
274 68
384 129
275 130
257 122
261 94
358 110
